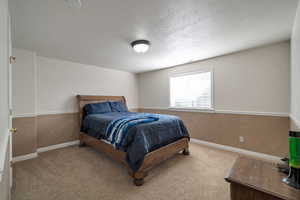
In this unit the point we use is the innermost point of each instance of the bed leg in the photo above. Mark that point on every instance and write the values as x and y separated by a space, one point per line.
138 178
186 152
138 182
81 143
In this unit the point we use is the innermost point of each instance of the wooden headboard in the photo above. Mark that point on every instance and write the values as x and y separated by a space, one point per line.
86 99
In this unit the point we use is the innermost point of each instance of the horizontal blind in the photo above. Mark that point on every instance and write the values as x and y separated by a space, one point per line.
191 91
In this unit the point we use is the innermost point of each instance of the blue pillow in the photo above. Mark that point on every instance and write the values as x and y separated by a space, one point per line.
118 106
97 108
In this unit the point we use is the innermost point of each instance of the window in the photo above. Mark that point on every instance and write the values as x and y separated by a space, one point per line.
191 90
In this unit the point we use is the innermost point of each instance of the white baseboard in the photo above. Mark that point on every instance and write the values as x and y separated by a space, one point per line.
25 157
237 150
44 149
57 146
196 141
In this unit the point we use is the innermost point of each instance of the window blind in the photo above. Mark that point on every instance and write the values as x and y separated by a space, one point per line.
191 91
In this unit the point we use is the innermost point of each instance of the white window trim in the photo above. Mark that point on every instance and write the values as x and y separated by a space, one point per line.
212 108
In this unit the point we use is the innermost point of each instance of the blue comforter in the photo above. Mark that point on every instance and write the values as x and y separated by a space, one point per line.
117 130
141 138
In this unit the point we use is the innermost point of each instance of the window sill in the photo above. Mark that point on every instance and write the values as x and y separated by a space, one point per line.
192 109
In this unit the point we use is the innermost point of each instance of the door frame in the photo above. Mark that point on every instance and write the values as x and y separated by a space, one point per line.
10 107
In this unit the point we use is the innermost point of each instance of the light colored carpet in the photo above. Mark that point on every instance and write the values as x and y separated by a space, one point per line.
75 173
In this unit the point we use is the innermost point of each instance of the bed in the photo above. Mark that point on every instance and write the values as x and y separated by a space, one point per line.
145 145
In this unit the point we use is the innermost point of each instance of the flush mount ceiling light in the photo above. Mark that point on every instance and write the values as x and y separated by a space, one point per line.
74 3
140 46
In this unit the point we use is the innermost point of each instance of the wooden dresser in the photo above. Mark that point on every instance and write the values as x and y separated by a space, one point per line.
255 179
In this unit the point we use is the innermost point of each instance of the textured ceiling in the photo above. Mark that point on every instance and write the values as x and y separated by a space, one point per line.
180 31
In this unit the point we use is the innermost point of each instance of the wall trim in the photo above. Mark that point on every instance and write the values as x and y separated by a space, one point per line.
52 113
25 157
56 113
237 150
24 115
57 146
275 114
44 149
40 114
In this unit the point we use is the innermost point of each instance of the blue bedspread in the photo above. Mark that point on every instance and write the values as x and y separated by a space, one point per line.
141 138
117 130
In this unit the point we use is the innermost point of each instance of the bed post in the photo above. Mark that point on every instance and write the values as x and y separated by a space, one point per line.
186 151
138 177
80 106
81 142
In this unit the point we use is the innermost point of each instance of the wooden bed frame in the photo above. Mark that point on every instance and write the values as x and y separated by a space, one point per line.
151 159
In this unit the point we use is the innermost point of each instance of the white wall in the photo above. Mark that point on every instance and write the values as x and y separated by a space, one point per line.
255 80
60 81
24 82
4 54
4 100
46 85
295 70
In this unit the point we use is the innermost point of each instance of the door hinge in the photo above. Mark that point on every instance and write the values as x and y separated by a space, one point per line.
12 60
10 112
11 163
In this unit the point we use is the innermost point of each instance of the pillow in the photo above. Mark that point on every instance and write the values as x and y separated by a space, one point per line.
118 106
97 108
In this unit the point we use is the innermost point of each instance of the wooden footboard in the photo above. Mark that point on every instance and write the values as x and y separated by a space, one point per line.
151 159
159 155
155 157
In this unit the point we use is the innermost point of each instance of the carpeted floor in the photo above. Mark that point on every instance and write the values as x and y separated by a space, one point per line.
82 173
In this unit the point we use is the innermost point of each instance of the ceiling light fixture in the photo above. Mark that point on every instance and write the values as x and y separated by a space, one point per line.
140 46
74 3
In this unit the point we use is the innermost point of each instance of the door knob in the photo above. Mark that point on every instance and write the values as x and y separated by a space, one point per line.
13 130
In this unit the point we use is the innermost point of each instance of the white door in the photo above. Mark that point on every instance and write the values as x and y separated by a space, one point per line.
10 100
5 102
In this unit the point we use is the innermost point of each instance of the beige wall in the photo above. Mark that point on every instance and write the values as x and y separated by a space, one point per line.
44 91
255 80
244 82
45 130
264 134
25 140
295 72
57 128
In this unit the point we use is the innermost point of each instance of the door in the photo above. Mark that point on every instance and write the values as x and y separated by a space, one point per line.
5 102
12 130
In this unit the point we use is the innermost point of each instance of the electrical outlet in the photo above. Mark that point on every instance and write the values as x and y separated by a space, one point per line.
242 139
